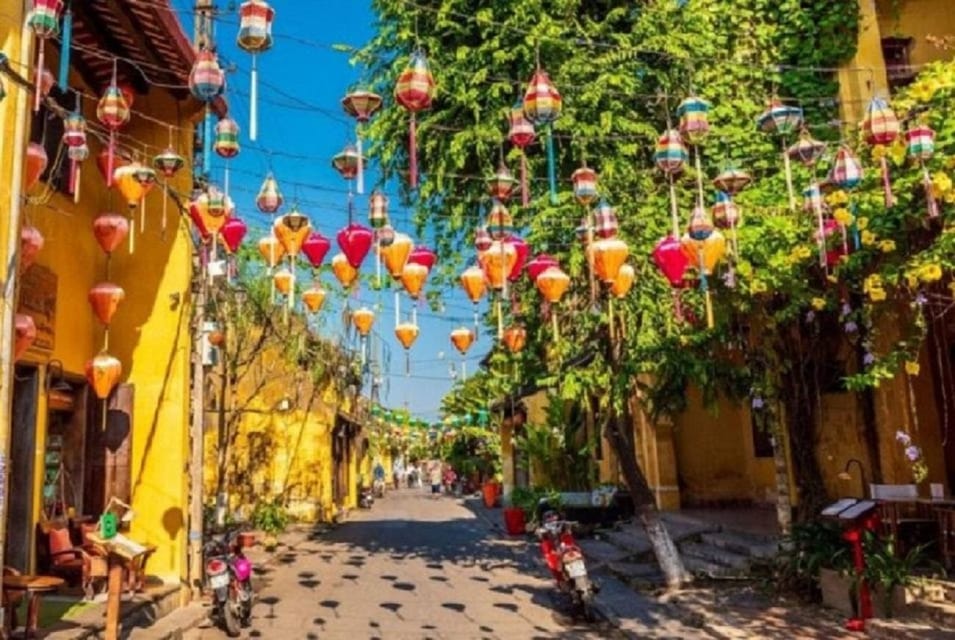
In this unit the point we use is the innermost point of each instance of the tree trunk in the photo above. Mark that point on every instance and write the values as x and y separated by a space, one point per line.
784 505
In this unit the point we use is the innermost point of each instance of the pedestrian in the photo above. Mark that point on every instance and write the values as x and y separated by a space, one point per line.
435 480
449 477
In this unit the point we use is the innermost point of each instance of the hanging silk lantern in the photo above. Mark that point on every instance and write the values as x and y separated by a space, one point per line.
584 180
361 105
110 230
414 91
704 246
501 185
609 254
539 264
423 256
44 21
920 147
35 165
74 138
292 229
103 373
462 338
210 210
284 281
881 129
355 242
233 233
834 251
344 272
315 248
552 283
407 333
846 171
725 211
807 150
521 134
112 111
313 298
168 162
24 329
226 143
497 263
396 254
119 159
782 120
385 236
413 277
377 210
694 121
31 243
521 250
346 162
514 338
542 106
670 259
104 298
474 283
670 156
732 181
584 232
134 181
271 251
255 37
605 220
206 83
499 222
269 200
622 284
482 239
363 319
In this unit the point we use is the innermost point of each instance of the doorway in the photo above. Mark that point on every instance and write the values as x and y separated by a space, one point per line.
21 466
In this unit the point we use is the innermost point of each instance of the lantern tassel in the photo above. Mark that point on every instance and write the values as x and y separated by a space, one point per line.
110 158
72 182
407 362
39 76
856 239
132 234
551 164
207 143
887 184
254 100
103 412
674 209
165 210
64 78
360 178
291 291
610 317
930 200
788 170
556 327
142 215
500 320
845 239
76 183
677 306
525 196
413 153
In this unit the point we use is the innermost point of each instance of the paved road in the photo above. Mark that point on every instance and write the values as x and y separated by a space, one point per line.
411 567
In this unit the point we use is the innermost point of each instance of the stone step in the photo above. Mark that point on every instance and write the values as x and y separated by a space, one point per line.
628 539
704 567
716 555
757 547
890 629
601 551
637 575
941 614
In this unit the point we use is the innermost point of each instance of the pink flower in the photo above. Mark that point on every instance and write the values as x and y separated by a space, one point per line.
913 453
903 437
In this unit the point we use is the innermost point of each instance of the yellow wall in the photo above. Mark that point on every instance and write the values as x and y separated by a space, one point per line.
150 333
918 19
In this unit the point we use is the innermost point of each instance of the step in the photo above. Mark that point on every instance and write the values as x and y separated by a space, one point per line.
758 547
636 574
940 613
629 539
704 567
600 551
716 555
890 629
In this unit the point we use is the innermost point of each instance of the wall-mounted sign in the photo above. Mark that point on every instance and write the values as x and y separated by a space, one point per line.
38 299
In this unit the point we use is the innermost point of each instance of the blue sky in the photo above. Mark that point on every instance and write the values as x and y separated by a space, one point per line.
301 126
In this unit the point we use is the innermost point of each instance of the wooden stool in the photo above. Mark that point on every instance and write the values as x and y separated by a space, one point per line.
34 587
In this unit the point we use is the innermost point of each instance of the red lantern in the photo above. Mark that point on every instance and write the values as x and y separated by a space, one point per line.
105 298
414 92
584 180
355 242
347 162
233 232
539 264
31 243
671 260
423 256
315 248
110 230
35 165
25 334
522 249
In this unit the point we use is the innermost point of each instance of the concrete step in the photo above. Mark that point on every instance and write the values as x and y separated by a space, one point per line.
941 614
637 575
628 539
716 555
174 625
757 547
890 629
703 567
601 552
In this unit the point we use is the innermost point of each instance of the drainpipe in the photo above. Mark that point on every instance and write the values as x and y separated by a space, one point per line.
9 292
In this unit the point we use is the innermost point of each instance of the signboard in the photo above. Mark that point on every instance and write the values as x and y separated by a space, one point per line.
38 299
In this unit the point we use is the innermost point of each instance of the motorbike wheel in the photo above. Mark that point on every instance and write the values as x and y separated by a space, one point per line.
245 607
230 616
584 599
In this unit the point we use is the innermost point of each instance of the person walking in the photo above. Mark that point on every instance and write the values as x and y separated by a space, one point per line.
435 479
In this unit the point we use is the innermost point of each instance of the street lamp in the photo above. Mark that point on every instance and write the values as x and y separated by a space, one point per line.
845 476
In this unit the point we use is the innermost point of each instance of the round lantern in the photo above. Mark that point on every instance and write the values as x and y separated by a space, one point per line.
210 210
112 111
344 272
269 200
423 256
552 284
514 338
780 119
725 211
414 91
474 284
110 230
540 263
35 165
623 282
542 106
255 37
292 230
732 181
694 122
31 243
24 329
584 180
315 248
313 298
482 239
206 79
216 337
395 255
605 220
846 171
355 242
44 21
377 210
271 251
361 105
363 319
670 154
498 263
920 147
501 185
226 143
807 150
346 162
520 133
284 280
413 276
499 222
104 298
462 338
407 333
609 254
233 233
103 373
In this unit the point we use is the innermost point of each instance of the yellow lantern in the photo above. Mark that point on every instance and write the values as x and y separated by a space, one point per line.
413 276
407 333
363 319
608 256
271 250
473 283
344 272
514 338
134 181
291 230
103 373
396 254
314 298
283 281
623 282
713 249
552 284
462 338
497 263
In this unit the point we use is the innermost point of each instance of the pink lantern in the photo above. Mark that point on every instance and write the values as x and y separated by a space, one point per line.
25 334
671 260
233 232
539 264
522 250
31 243
355 242
423 256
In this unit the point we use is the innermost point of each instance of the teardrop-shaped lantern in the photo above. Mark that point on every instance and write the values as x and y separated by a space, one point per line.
462 338
355 242
313 298
713 250
168 162
670 259
609 254
363 319
413 277
24 334
501 185
807 150
35 165
134 181
880 125
207 79
210 210
377 210
584 180
103 373
482 239
110 229
315 248
104 298
846 172
623 282
226 144
605 220
732 180
283 279
344 272
292 229
414 91
694 121
407 333
31 243
552 284
670 154
474 284
233 233
423 256
271 250
396 254
500 224
514 338
269 199
539 264
498 262
522 249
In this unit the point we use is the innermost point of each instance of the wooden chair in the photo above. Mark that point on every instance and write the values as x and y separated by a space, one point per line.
58 556
901 513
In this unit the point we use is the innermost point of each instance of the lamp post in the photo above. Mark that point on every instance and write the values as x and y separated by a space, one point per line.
845 476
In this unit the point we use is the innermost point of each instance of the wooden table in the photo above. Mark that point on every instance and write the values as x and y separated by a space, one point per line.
35 587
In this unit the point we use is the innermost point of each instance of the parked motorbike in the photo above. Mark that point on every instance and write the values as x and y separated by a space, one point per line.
366 497
229 578
566 562
379 488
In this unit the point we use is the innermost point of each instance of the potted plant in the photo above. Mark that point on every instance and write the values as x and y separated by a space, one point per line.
271 519
814 563
889 574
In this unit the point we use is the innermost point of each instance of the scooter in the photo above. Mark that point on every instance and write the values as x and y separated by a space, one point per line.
366 497
229 577
566 562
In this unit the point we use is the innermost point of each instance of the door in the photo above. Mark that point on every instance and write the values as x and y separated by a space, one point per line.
20 470
109 451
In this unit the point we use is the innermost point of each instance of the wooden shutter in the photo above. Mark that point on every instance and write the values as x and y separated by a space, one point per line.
109 451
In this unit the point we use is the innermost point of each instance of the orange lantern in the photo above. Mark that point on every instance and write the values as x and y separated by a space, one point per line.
344 272
210 211
110 230
623 282
552 284
608 256
497 263
314 298
473 283
25 330
31 243
292 229
105 298
35 165
216 337
462 338
363 319
413 276
515 337
272 250
396 254
103 373
407 333
283 279
134 181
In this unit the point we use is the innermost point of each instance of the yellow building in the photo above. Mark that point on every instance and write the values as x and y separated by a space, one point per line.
62 460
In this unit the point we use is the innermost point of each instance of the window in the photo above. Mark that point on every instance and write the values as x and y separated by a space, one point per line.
896 52
46 129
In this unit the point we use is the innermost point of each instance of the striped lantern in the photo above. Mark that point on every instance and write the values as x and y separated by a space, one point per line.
542 106
605 220
270 199
807 149
732 181
377 210
780 119
112 111
584 180
168 162
881 128
501 185
227 138
206 83
255 37
74 137
482 239
694 122
846 171
361 105
670 154
920 147
44 21
500 224
520 133
725 212
415 91
346 162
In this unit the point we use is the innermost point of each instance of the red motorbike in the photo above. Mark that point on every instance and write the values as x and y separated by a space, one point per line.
566 562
